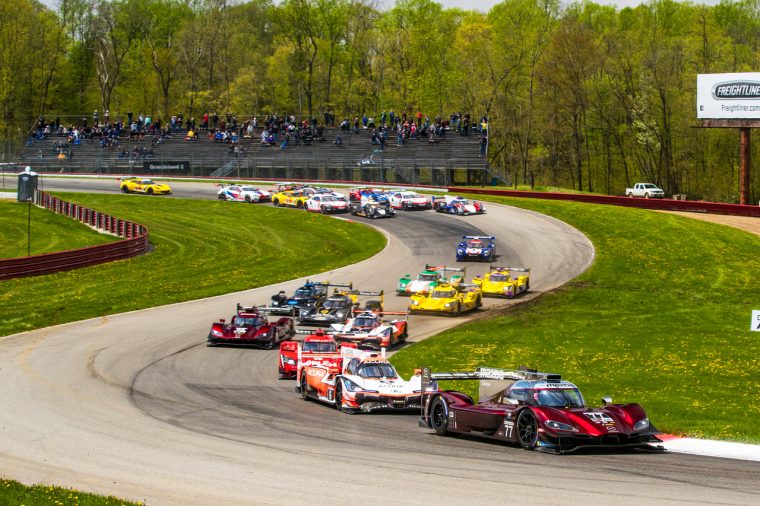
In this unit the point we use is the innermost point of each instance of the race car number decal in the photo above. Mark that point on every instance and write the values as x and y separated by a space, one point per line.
599 417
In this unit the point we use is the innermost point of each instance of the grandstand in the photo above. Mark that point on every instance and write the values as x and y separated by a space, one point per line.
455 159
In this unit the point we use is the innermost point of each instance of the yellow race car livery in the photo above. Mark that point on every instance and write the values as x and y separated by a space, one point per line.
504 281
142 185
290 198
447 299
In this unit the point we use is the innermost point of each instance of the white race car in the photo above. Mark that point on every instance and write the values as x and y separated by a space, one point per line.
239 193
368 330
326 204
407 200
366 382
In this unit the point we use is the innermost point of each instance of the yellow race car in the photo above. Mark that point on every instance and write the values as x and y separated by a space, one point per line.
290 198
143 185
447 299
504 281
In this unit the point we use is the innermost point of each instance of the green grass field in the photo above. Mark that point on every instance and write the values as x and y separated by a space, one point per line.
202 248
49 231
662 318
14 493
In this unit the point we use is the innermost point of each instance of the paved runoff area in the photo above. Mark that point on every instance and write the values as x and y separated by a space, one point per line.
710 448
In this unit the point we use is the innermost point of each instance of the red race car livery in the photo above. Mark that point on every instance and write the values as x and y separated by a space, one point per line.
250 327
538 411
318 347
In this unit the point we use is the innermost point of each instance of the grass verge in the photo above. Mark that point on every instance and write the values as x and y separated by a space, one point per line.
49 231
13 492
661 318
202 248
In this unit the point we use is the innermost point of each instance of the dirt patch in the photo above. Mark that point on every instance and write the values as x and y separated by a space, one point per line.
745 223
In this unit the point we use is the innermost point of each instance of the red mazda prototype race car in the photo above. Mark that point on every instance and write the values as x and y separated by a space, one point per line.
250 327
318 347
538 411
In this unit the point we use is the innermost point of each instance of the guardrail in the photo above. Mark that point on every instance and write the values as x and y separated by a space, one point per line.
135 242
691 206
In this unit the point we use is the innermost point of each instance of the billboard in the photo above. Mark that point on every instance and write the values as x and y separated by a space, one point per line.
167 166
728 96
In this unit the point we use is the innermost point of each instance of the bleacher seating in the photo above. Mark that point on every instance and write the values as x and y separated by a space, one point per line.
456 158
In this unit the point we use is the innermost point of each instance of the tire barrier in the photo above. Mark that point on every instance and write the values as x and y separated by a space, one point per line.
134 242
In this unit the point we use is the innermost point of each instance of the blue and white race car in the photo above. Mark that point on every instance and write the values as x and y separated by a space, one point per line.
476 247
457 205
240 193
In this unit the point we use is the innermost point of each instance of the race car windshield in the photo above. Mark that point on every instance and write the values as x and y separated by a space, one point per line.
319 347
304 293
366 321
559 397
146 181
443 294
474 244
335 303
328 198
248 189
427 277
499 277
377 370
247 321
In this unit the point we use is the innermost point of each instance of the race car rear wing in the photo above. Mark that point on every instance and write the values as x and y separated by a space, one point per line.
511 269
492 381
350 286
249 309
429 267
493 238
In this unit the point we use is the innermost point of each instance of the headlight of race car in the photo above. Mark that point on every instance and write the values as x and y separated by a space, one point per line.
216 332
560 426
287 361
415 303
448 304
641 424
353 387
460 251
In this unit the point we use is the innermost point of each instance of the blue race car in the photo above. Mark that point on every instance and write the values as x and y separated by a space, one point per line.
476 247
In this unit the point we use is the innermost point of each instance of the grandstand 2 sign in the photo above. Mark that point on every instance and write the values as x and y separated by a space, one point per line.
167 166
728 96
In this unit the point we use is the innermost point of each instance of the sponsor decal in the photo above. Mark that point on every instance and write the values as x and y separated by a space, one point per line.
732 90
599 417
174 166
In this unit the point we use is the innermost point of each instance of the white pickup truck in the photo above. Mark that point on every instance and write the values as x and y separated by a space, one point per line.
646 190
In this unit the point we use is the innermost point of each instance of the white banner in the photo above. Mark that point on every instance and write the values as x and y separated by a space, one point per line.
728 96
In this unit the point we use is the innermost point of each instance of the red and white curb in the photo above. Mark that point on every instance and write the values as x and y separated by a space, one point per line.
710 448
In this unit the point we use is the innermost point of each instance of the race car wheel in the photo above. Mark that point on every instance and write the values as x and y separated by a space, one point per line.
304 394
299 204
459 309
272 339
124 189
479 303
276 202
248 199
438 417
405 206
339 395
149 191
323 210
527 429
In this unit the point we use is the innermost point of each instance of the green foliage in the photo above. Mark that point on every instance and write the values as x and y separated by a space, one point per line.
201 248
661 318
50 232
580 95
13 492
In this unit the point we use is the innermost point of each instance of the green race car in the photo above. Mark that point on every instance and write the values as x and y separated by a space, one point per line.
428 279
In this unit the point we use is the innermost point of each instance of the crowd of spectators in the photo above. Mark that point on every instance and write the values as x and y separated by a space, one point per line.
285 130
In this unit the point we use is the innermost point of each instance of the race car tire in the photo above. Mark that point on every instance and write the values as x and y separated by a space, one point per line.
339 395
323 210
299 204
303 391
149 191
527 429
459 309
124 189
405 206
272 339
438 417
276 202
248 199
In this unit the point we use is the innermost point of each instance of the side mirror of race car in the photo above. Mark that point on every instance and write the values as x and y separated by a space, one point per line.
606 400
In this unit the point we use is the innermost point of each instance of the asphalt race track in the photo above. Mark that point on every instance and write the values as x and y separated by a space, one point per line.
137 406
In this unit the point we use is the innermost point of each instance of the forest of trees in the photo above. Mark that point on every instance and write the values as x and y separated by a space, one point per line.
581 96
